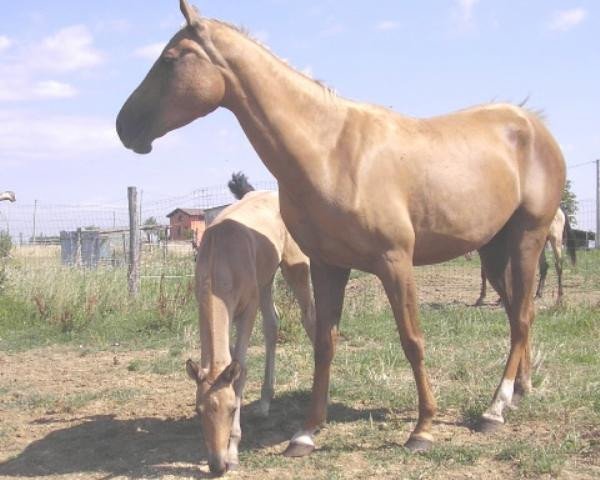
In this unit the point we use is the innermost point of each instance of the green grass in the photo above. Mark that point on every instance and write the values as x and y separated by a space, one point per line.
372 388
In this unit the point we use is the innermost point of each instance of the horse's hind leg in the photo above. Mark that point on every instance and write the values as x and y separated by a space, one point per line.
523 248
270 321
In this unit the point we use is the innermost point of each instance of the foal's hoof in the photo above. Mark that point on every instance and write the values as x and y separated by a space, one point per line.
487 425
297 450
516 399
418 444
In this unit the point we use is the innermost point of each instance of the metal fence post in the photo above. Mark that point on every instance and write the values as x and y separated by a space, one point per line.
597 242
134 243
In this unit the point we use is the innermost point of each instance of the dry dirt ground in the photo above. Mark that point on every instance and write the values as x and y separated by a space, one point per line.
92 418
70 413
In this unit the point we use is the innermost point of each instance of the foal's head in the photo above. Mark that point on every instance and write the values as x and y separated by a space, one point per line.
183 85
216 405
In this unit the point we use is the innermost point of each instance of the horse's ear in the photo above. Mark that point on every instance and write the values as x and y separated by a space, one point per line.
194 371
191 14
231 373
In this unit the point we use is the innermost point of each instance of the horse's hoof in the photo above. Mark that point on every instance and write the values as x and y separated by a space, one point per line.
487 425
418 444
232 467
297 450
478 303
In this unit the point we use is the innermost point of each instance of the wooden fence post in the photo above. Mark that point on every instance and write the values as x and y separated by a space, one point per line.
134 243
78 244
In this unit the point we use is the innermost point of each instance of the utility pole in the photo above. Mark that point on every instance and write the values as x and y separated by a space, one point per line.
598 204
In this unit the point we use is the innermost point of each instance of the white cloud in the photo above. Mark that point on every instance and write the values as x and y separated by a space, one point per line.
151 51
386 25
567 19
31 71
465 10
54 89
17 88
5 42
31 135
68 50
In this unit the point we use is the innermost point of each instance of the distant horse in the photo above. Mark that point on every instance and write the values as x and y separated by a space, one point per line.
237 259
363 187
8 196
560 229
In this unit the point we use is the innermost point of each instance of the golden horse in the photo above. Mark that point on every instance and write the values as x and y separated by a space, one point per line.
363 187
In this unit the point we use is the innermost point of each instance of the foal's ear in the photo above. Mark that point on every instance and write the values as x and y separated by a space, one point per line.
231 373
194 371
191 14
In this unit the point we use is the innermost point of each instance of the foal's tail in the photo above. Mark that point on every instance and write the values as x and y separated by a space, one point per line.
569 235
239 185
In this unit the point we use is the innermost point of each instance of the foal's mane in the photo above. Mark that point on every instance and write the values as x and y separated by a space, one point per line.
245 32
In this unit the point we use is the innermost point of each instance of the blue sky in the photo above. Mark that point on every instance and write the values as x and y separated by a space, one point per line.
66 68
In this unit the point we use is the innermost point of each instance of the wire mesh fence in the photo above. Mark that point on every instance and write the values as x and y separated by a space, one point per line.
38 234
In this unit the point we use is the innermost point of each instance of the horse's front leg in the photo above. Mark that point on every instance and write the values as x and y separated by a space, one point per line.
397 277
244 324
329 283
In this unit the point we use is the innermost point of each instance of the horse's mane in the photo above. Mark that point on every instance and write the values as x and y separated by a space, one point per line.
538 112
239 185
245 32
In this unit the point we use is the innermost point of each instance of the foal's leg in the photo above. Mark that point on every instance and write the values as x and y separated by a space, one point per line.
543 273
483 291
244 324
297 277
270 321
556 244
329 283
397 277
524 248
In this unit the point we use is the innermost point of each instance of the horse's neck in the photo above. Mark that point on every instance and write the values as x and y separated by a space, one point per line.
292 121
214 318
214 335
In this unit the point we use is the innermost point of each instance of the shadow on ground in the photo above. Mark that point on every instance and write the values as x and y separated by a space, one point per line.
153 447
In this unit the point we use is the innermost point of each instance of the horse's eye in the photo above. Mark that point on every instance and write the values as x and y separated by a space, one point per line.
168 59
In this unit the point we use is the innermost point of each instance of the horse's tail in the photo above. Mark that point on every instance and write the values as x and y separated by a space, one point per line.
239 185
569 235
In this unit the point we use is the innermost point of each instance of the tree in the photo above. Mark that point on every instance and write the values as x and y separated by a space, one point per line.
153 230
569 203
5 248
5 244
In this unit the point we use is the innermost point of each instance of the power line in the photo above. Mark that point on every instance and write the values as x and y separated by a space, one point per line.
581 164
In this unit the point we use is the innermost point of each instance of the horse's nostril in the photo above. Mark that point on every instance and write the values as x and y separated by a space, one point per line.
119 129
